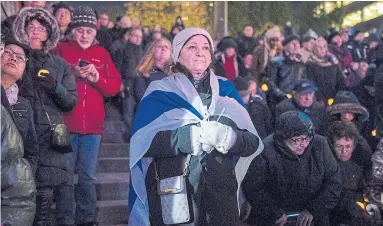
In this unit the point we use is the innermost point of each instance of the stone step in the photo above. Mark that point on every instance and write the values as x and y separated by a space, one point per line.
112 212
112 186
114 150
113 138
113 165
114 127
112 113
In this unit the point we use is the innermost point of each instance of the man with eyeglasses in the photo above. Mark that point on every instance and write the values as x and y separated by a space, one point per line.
13 64
355 176
96 78
295 175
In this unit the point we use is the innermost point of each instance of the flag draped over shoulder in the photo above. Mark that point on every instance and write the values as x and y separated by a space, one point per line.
171 103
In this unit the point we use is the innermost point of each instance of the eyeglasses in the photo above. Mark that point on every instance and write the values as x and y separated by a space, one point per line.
19 58
39 29
299 141
347 148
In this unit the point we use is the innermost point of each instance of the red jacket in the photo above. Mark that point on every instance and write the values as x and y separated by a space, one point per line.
88 115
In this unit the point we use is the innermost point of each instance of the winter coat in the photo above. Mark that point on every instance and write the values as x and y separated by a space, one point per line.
328 79
261 117
23 113
116 33
126 60
378 84
118 44
377 175
280 182
51 169
316 112
260 61
211 177
239 66
18 187
358 51
104 39
355 178
283 76
246 45
342 54
142 83
88 116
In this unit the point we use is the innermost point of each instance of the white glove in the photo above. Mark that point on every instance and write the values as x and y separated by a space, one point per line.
218 135
195 135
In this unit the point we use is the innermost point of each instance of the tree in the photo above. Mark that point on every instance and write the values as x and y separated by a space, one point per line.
165 13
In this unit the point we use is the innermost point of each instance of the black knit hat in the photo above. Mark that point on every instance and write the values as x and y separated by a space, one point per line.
241 85
331 36
62 5
289 39
293 123
84 16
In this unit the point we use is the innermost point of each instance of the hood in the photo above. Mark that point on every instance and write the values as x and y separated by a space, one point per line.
22 19
346 101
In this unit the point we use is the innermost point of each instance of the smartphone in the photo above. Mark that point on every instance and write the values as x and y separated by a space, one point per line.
83 63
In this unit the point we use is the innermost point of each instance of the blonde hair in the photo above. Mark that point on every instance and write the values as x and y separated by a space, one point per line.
147 62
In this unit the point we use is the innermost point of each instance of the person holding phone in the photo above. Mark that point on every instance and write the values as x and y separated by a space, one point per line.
96 77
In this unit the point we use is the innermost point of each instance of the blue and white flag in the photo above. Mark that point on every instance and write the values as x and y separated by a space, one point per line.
171 103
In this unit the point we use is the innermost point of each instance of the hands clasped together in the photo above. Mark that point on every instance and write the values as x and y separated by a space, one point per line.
211 135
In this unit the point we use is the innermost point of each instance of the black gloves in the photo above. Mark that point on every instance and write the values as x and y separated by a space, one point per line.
46 81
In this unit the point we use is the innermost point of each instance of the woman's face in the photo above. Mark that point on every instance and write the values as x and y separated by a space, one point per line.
320 48
37 34
196 54
162 51
298 144
344 147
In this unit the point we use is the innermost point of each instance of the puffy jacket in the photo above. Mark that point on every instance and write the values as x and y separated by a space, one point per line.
377 175
88 116
280 182
284 75
18 187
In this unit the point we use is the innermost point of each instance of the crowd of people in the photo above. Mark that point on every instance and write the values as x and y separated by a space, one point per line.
280 129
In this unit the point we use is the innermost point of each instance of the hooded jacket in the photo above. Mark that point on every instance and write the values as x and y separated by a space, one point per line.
51 169
377 175
88 116
18 187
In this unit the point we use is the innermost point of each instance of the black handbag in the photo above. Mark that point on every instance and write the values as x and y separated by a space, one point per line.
60 136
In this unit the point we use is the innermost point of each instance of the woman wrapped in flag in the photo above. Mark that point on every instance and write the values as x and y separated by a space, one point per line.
192 143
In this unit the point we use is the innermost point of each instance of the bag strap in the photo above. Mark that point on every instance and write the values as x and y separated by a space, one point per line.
45 110
186 169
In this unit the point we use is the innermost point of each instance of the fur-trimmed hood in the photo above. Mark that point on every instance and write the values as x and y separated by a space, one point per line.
22 19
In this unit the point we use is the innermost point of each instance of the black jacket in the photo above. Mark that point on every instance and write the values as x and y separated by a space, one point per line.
316 112
23 113
51 169
246 45
126 60
378 84
280 182
211 177
328 79
18 187
104 39
261 117
282 76
142 83
219 68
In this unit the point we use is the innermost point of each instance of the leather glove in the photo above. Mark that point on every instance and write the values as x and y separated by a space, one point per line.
46 81
218 135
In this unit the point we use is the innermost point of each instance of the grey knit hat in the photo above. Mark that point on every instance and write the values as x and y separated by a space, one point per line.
185 35
84 16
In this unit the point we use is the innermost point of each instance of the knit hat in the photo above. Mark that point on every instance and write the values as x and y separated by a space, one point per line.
84 16
184 36
331 36
346 101
293 123
45 18
304 86
227 42
289 39
62 5
242 86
